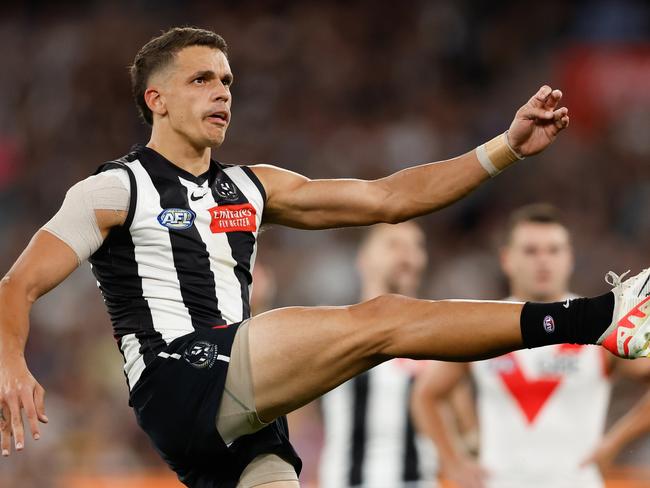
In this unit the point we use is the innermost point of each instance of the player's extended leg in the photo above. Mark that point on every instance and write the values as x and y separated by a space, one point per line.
299 353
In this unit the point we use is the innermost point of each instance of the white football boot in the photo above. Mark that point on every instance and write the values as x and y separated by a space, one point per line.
628 336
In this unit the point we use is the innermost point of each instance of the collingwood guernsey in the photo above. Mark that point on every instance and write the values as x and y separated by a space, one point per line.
370 440
183 259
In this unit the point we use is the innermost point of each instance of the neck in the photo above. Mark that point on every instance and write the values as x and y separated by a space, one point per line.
176 149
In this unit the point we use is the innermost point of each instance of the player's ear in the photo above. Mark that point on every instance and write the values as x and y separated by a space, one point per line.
155 101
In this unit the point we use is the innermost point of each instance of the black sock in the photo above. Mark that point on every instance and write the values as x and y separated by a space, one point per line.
582 322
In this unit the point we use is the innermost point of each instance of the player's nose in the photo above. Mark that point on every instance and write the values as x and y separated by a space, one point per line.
221 93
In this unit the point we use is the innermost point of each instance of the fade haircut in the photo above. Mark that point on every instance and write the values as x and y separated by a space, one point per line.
536 213
159 52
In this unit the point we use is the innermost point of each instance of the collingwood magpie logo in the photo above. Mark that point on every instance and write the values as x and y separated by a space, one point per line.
226 190
201 354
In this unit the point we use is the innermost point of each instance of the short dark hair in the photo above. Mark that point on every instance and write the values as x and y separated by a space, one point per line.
159 52
538 213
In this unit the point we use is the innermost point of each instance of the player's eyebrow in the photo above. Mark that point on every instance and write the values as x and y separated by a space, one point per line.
211 75
207 74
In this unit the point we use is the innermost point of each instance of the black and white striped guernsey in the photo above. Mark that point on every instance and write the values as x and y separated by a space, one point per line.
184 257
370 440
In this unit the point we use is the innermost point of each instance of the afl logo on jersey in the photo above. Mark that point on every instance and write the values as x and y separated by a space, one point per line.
226 190
549 324
201 354
176 218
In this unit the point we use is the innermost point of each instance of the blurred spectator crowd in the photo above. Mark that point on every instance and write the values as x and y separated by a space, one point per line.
328 89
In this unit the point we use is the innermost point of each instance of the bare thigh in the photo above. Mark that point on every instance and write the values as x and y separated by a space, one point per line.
300 353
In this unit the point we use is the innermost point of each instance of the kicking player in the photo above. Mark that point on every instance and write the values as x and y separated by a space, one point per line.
541 412
171 237
369 438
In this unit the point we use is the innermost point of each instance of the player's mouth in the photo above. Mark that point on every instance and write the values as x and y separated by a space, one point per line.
219 117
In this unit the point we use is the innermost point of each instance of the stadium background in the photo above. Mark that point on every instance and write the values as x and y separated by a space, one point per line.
329 90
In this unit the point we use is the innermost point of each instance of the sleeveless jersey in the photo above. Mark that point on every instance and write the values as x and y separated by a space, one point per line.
370 440
184 257
541 413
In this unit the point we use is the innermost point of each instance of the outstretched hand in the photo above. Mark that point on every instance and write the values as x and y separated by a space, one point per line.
19 391
538 122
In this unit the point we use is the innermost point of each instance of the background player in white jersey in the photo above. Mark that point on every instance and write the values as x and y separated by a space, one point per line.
541 411
284 358
369 437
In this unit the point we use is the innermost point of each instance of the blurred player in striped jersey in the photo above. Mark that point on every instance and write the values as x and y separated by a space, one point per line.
370 440
541 411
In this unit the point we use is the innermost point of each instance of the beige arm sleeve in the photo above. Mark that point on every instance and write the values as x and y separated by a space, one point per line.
76 224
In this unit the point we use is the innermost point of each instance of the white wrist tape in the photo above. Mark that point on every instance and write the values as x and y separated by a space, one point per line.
76 224
497 154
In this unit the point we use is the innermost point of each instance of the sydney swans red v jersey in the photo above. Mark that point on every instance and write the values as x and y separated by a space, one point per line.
542 412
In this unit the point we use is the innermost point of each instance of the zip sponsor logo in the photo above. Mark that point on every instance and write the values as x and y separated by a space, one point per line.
176 218
233 218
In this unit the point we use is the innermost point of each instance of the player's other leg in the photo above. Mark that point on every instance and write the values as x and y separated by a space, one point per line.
297 354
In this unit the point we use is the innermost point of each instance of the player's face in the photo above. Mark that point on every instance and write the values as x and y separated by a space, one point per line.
196 94
538 261
394 258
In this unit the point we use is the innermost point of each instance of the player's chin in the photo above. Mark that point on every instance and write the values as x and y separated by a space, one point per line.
215 137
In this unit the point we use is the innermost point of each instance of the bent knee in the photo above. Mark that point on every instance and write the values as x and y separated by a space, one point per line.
376 320
381 305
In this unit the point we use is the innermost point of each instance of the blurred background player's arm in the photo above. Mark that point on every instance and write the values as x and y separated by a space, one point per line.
296 201
432 392
631 426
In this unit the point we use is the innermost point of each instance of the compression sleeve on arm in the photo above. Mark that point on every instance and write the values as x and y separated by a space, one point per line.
76 223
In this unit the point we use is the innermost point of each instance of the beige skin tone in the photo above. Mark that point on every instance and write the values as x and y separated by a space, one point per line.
538 261
392 259
328 345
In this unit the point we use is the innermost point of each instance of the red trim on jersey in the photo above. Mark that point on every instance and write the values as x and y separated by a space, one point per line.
224 326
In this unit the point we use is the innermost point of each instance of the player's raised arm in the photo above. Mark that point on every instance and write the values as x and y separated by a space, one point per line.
296 201
75 232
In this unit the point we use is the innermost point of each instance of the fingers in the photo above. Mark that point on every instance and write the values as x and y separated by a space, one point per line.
16 423
5 432
553 99
27 401
39 401
561 118
546 98
538 113
542 94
